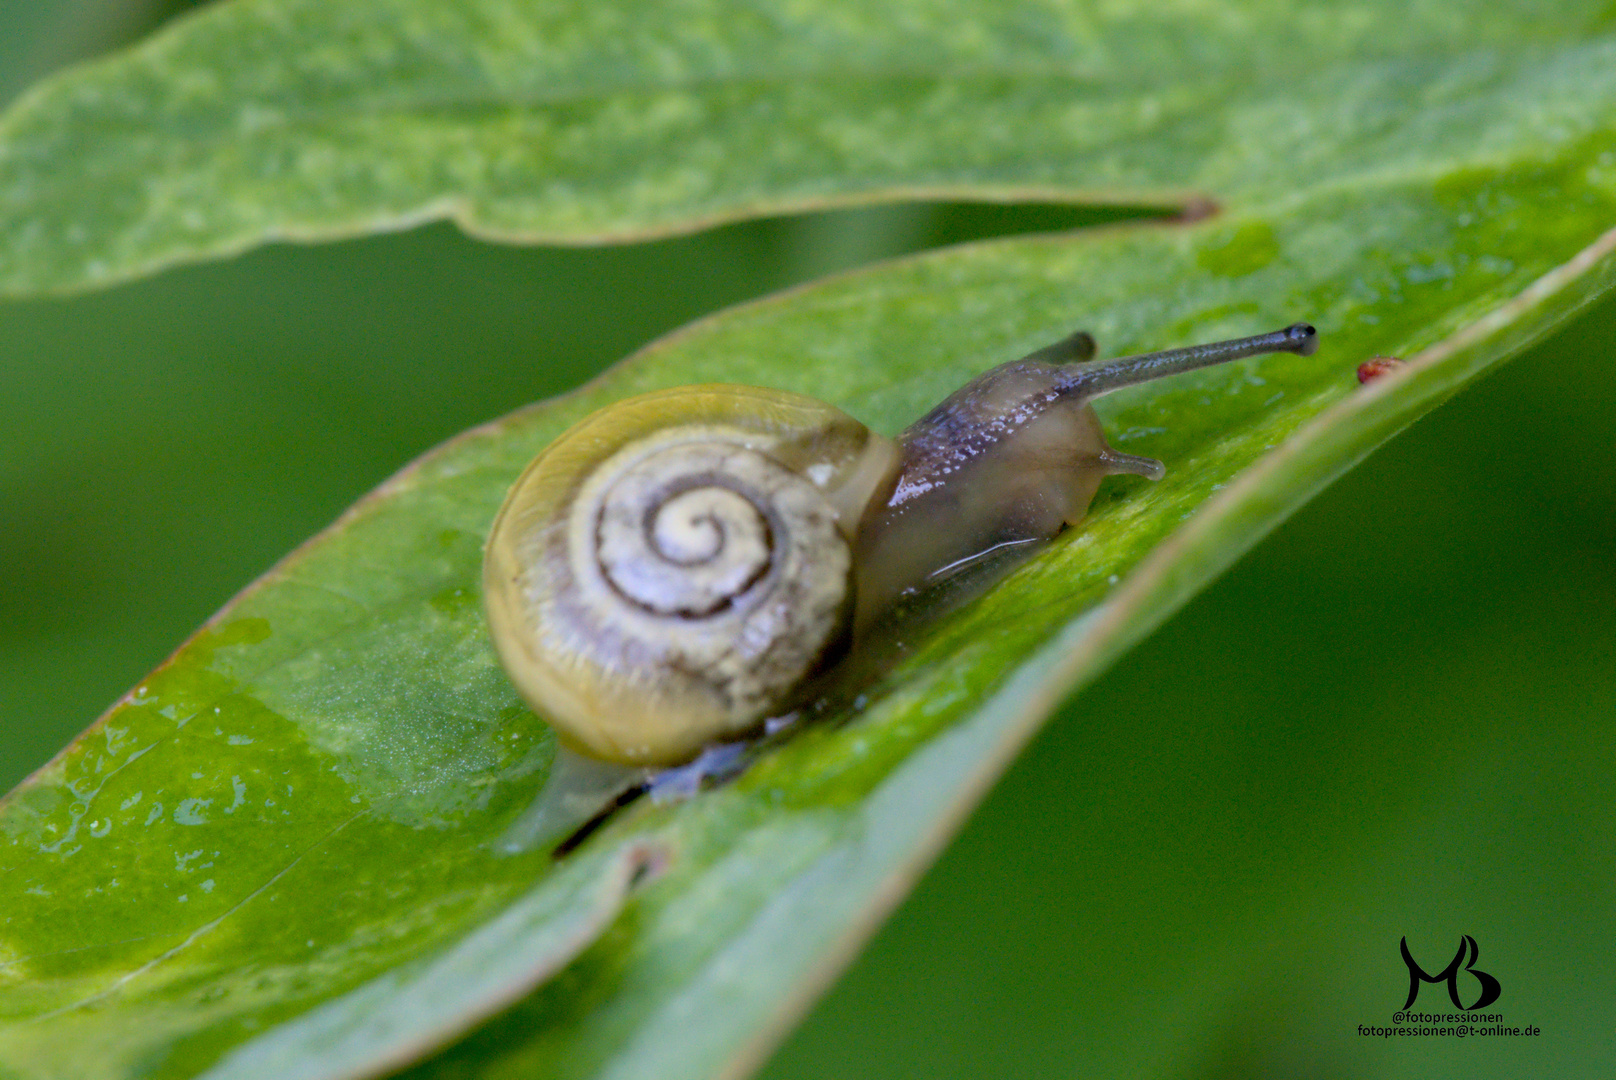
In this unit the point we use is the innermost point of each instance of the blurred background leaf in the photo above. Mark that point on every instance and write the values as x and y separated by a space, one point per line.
1423 656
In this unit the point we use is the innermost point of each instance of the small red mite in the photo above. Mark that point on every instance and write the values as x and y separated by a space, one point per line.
1376 366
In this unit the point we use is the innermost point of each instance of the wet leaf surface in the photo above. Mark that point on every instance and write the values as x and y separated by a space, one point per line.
293 826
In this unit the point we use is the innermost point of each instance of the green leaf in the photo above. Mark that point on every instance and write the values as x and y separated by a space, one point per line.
295 838
578 122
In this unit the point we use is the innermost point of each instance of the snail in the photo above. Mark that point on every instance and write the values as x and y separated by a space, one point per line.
675 568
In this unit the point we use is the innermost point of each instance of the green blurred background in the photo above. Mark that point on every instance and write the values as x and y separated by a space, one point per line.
1396 717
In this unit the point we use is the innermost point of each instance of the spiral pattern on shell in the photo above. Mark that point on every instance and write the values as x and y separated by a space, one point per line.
670 571
690 531
711 561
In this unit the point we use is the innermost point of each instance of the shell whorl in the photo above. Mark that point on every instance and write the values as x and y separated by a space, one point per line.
690 530
709 563
673 568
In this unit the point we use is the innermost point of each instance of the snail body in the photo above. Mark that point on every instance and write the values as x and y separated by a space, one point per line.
675 568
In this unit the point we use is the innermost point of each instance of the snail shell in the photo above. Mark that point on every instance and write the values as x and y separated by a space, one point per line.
669 570
676 567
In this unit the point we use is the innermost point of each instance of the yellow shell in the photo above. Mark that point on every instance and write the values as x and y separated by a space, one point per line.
668 571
